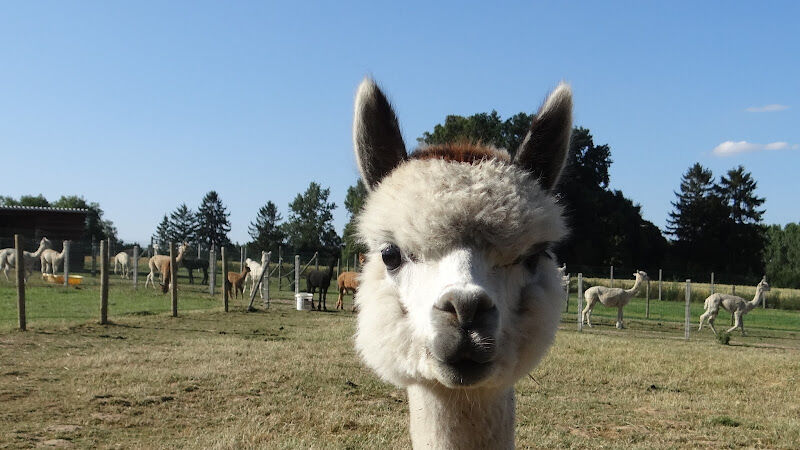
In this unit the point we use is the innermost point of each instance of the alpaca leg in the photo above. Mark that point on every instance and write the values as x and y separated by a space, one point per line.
702 319
738 322
619 318
324 299
339 302
586 314
711 318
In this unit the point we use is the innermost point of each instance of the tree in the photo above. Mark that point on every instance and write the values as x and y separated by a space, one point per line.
266 231
738 192
96 227
183 224
782 255
213 225
163 233
353 202
487 128
309 227
31 200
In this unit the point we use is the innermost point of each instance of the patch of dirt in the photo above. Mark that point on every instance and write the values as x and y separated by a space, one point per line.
63 428
107 418
59 443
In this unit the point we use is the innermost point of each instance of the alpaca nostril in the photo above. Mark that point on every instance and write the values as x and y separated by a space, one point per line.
468 307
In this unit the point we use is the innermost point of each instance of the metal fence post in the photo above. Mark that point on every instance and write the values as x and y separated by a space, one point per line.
647 295
688 310
212 267
23 324
104 252
580 301
659 284
612 276
224 278
135 267
712 282
173 279
296 274
66 262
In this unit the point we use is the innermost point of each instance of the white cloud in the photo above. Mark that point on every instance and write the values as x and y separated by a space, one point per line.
728 148
767 108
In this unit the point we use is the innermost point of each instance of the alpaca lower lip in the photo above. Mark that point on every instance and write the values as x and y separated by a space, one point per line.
464 372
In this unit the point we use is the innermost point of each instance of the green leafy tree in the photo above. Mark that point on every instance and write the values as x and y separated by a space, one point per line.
33 200
266 230
8 201
96 227
183 224
782 255
353 202
309 227
213 223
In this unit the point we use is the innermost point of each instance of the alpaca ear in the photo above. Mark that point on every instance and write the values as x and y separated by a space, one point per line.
544 149
378 143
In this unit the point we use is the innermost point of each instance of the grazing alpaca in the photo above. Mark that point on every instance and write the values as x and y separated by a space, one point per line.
51 259
255 271
8 258
611 297
159 262
236 280
737 306
320 279
123 259
459 296
347 282
191 264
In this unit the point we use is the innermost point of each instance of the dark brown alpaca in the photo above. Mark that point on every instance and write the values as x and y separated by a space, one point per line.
237 280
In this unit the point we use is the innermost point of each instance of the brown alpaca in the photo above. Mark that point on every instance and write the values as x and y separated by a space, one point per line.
162 264
348 284
236 279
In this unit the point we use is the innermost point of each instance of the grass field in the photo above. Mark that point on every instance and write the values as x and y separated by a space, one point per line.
280 378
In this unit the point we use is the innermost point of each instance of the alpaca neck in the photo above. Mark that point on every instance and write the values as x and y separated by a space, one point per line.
444 418
632 291
756 299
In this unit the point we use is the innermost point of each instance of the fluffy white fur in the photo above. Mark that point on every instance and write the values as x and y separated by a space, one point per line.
472 237
52 259
255 272
611 297
8 258
123 260
737 306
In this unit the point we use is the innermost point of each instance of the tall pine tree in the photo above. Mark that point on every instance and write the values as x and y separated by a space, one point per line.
183 224
266 230
163 234
353 202
213 225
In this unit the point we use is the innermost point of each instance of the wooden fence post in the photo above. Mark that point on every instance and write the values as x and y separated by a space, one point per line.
280 269
212 267
242 257
612 276
580 301
316 261
266 268
135 267
94 257
659 284
688 309
66 262
296 274
173 279
566 294
104 251
224 278
647 295
23 324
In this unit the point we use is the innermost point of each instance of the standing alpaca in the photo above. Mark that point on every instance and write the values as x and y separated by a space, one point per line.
8 258
157 263
122 259
191 264
347 282
51 259
459 296
611 297
236 280
320 279
737 306
255 271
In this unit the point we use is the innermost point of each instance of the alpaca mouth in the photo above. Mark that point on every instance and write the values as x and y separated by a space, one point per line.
464 372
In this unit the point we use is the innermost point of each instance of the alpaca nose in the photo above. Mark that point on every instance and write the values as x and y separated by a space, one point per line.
470 307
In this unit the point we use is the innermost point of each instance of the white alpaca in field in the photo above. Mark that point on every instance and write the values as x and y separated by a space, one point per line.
255 272
8 258
124 261
611 297
459 296
737 306
51 259
157 262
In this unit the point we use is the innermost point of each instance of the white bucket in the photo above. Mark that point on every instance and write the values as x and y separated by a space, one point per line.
303 301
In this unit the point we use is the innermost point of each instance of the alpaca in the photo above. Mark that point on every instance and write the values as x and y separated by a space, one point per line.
51 259
8 258
459 296
320 279
611 297
347 282
159 262
236 280
737 306
255 271
191 264
123 260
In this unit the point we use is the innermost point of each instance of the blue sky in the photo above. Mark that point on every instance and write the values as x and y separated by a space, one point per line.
145 105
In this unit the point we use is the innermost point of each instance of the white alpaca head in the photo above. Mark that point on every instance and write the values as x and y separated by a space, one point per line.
640 275
763 286
458 289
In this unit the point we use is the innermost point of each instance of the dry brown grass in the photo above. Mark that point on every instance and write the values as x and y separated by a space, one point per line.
288 379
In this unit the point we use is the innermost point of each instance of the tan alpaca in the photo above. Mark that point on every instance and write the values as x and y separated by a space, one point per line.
51 259
737 306
157 264
611 297
236 280
347 283
124 261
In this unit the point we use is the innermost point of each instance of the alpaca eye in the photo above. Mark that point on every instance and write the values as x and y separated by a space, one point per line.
392 257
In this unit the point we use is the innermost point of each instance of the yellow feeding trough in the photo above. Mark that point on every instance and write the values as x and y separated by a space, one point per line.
74 280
